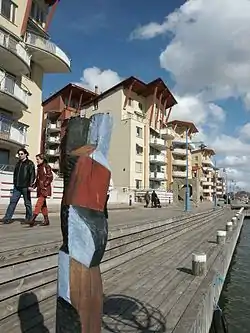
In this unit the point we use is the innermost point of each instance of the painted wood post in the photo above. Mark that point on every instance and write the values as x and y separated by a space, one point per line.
84 151
234 220
199 264
229 226
221 237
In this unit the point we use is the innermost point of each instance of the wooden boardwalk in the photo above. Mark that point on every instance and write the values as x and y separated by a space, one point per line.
146 272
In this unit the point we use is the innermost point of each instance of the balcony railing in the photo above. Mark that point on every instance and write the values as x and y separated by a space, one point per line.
9 85
13 131
52 152
179 162
179 174
160 158
54 166
53 139
157 175
158 143
48 46
179 151
12 45
54 126
167 133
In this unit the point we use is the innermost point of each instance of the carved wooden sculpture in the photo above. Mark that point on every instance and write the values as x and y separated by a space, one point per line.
84 227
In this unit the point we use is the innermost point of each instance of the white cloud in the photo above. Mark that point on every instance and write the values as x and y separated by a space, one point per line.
104 79
209 50
245 132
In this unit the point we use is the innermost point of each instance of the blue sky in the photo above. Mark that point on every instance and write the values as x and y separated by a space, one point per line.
96 33
198 47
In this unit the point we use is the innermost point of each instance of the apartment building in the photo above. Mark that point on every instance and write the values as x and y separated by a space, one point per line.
179 157
62 105
206 172
26 54
138 149
220 186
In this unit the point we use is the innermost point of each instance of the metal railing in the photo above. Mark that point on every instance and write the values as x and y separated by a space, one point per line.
14 46
45 44
7 167
13 131
9 85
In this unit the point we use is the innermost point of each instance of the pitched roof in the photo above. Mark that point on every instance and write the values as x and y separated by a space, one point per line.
191 126
141 88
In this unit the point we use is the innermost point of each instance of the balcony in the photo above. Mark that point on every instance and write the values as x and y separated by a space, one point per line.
53 152
156 175
179 151
207 190
54 166
179 174
12 133
14 57
54 127
158 143
12 96
53 139
179 162
207 183
207 161
47 54
167 133
158 159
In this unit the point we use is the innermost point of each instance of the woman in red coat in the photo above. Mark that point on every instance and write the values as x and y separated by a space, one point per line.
43 182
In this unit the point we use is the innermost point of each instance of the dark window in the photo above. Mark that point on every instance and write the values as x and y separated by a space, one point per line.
8 10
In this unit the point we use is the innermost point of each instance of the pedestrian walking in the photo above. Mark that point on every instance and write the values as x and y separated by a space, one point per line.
154 199
23 178
147 199
42 183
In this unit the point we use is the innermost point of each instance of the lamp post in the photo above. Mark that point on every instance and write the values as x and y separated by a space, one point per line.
187 196
215 185
225 171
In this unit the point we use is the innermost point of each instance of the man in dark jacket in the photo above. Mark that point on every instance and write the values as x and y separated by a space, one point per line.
24 177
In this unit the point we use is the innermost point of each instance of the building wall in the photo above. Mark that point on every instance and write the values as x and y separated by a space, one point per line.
33 116
120 145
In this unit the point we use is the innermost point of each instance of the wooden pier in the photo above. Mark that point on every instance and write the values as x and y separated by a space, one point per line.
149 284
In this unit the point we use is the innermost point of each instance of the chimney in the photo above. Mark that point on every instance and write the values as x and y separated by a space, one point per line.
96 89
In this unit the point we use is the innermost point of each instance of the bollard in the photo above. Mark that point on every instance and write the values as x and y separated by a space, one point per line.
234 220
221 237
229 226
238 216
199 264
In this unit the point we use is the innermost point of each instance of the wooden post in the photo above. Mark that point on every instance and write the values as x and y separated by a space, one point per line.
84 151
229 226
234 220
221 237
199 264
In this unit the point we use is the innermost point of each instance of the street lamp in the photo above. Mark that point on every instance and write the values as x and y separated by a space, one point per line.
225 171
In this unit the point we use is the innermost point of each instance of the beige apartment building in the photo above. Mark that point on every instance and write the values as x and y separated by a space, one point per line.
26 54
206 171
139 144
178 156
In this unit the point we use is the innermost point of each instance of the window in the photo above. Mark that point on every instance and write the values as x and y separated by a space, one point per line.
138 167
139 149
140 106
196 158
8 10
38 13
138 132
130 102
138 184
